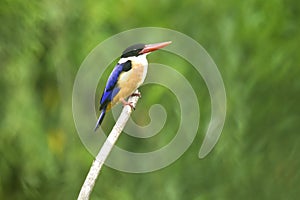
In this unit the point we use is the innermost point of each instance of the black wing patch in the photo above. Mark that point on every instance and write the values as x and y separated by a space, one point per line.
127 66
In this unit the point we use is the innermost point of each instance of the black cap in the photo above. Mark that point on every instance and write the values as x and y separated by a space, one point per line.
133 50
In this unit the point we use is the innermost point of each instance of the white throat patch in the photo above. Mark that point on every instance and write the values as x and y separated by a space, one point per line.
137 59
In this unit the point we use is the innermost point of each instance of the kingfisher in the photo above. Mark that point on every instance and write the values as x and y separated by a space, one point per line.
126 77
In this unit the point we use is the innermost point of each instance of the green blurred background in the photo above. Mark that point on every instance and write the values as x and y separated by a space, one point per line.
255 45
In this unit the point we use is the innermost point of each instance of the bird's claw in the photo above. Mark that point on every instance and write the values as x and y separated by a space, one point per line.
125 103
131 106
137 94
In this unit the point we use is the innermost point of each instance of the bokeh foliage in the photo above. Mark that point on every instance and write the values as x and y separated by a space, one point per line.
256 47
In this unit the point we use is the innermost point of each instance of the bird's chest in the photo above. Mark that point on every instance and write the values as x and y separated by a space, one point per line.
134 77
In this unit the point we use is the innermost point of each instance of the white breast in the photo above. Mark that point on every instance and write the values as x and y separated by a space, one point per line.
144 64
139 69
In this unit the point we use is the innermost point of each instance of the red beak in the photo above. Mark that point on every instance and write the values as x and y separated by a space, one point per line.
153 47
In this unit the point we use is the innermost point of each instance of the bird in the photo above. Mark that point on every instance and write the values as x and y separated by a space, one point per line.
128 75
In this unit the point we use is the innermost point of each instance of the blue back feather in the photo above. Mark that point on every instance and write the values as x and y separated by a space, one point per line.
111 89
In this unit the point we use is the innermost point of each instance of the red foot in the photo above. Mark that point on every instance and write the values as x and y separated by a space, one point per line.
125 103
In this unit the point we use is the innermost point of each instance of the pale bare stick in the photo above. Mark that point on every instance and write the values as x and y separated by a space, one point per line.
96 167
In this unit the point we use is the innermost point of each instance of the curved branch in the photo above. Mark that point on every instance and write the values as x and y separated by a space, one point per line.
96 167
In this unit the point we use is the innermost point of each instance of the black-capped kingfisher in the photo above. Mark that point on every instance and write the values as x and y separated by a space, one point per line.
126 77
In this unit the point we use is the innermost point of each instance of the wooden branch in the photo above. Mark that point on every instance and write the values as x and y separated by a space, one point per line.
95 169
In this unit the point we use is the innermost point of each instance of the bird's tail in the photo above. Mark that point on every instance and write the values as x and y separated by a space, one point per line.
100 119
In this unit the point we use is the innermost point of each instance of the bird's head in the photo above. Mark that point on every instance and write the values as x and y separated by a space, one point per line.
141 49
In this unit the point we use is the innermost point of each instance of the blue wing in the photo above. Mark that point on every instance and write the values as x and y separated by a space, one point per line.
111 89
